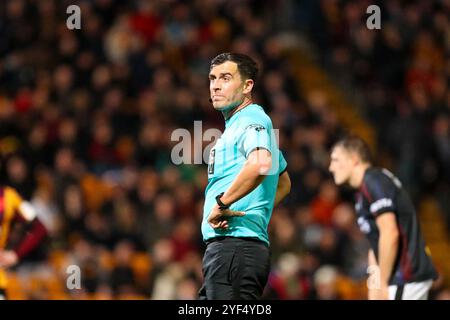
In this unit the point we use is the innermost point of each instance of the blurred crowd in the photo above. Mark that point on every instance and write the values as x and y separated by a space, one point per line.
401 73
86 118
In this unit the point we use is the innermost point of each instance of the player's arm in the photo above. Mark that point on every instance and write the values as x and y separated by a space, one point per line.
37 232
372 261
283 187
251 175
382 206
387 246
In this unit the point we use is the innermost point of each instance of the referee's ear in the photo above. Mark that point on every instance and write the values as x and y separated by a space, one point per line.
248 86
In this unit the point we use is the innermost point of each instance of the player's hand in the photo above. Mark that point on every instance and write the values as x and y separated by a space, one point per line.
217 218
8 258
379 294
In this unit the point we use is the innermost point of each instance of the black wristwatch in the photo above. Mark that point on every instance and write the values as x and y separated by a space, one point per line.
222 206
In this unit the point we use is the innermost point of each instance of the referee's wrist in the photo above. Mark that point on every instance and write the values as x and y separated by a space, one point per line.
221 204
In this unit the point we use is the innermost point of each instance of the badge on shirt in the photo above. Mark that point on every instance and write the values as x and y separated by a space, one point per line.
257 127
212 155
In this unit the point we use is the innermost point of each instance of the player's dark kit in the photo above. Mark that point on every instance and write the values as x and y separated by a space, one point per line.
382 192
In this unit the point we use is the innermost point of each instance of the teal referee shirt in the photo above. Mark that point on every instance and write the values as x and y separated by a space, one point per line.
246 130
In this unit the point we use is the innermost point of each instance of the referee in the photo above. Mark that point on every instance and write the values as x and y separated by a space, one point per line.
246 177
387 216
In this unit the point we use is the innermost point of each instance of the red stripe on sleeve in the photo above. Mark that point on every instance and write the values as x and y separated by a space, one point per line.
32 239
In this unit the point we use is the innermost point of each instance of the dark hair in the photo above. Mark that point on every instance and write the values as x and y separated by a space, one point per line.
247 67
355 144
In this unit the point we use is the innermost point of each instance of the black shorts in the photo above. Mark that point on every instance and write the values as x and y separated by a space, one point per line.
235 269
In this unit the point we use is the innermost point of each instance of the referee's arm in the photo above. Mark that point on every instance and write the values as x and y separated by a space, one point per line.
255 169
253 172
283 187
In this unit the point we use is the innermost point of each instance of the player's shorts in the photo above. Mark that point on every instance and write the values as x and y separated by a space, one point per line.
411 291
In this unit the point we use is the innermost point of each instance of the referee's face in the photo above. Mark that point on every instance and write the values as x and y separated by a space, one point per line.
226 87
341 165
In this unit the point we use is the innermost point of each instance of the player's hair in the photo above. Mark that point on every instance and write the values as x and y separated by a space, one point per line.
355 144
247 67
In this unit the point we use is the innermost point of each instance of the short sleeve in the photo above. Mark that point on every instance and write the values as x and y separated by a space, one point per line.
382 194
254 136
20 206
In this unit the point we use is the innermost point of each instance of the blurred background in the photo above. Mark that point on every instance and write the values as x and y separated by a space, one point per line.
86 118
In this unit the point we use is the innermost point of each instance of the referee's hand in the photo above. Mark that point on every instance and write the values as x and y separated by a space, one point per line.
217 218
